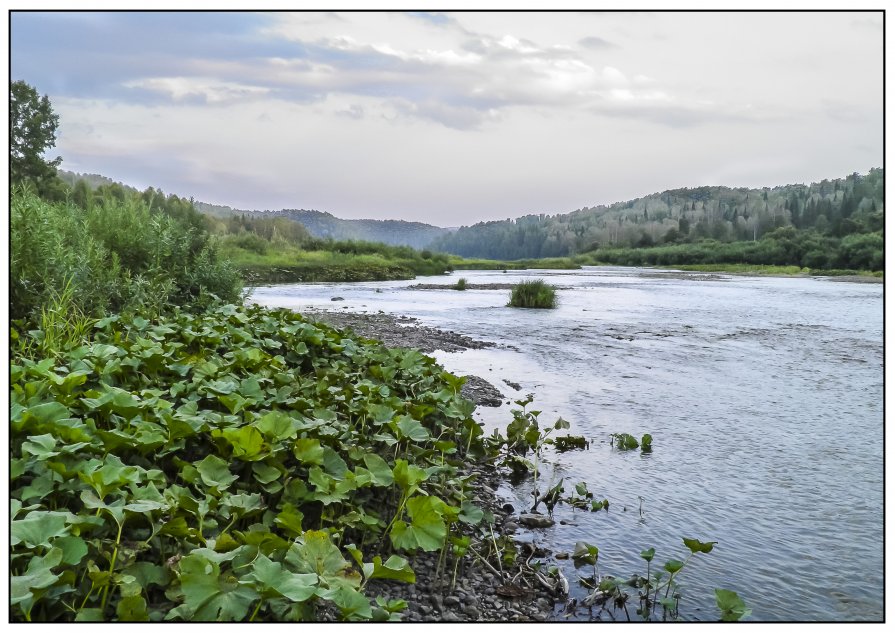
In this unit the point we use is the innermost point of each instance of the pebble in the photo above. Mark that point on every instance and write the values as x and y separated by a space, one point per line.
472 612
451 601
450 616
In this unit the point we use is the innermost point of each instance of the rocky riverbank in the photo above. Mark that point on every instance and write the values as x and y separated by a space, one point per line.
402 331
483 591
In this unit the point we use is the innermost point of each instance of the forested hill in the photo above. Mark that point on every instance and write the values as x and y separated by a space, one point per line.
394 232
840 207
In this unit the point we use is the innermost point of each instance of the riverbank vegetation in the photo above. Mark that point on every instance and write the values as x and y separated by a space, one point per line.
785 246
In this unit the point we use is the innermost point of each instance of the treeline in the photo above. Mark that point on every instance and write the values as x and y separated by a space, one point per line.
785 246
831 208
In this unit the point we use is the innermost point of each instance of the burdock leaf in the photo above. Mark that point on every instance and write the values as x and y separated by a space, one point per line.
379 469
215 472
427 529
274 581
38 576
37 529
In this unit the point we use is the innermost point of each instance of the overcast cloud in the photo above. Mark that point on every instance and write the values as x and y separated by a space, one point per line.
455 118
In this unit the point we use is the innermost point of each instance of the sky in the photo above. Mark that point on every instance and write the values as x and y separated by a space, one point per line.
455 118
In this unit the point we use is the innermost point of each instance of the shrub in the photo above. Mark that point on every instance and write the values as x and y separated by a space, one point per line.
461 284
533 294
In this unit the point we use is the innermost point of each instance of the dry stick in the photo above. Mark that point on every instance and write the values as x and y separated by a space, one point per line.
486 563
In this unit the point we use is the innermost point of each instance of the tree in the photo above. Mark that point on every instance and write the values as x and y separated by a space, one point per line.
32 131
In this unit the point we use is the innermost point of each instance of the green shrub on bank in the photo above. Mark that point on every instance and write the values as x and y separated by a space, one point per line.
533 294
115 256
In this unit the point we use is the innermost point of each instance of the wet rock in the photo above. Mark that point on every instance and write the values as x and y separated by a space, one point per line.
536 520
337 299
514 385
510 526
562 556
508 508
482 392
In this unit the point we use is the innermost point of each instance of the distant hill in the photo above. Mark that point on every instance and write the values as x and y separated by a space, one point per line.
319 224
839 207
394 232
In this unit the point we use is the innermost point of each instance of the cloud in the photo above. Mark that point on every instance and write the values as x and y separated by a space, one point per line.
596 43
206 89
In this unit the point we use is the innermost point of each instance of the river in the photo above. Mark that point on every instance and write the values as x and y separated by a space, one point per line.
764 397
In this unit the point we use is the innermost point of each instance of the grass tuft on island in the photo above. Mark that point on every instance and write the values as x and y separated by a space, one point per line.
533 294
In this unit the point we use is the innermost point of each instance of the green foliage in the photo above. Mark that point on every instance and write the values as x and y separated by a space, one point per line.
69 263
625 441
32 131
732 607
533 294
219 464
461 284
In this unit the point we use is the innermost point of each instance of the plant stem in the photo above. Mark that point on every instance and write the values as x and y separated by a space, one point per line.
112 567
255 612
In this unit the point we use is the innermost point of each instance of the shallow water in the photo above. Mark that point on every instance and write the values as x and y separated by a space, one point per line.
764 397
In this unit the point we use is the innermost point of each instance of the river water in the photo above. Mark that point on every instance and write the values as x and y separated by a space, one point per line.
764 397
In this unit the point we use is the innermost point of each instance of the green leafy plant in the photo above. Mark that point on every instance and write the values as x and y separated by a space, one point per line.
461 284
228 463
731 605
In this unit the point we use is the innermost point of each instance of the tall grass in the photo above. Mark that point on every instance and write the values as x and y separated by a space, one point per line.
115 256
533 294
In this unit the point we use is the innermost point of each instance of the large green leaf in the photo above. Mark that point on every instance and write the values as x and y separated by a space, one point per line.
308 451
411 429
247 443
407 476
379 469
38 576
696 545
351 602
314 553
427 529
395 568
215 472
210 594
277 425
731 605
272 580
38 529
